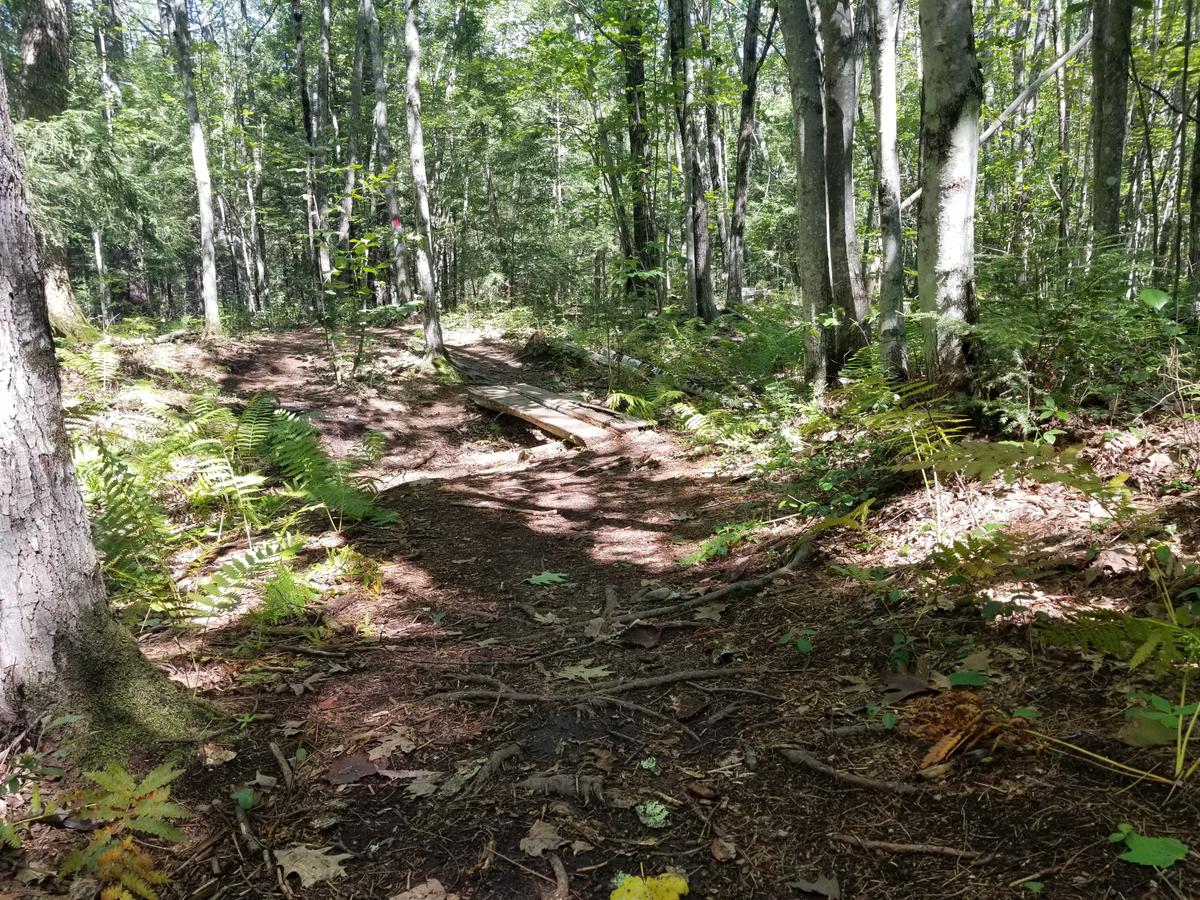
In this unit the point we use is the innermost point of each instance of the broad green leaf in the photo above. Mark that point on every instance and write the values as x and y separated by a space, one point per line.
1160 852
545 578
1153 297
968 678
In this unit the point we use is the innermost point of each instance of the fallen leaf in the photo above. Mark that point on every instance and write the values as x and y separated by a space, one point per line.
311 864
430 890
821 886
936 772
899 686
1142 731
402 739
584 672
463 772
425 785
667 886
213 755
542 836
723 849
645 636
578 847
543 579
349 769
703 790
606 760
709 612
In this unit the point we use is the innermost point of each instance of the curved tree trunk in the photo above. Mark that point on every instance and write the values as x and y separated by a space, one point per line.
434 348
59 645
953 90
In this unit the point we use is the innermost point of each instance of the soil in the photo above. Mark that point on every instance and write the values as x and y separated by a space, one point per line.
483 505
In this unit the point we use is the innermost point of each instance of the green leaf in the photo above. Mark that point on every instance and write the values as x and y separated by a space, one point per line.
968 678
244 798
1153 297
1160 852
1025 712
546 578
1035 887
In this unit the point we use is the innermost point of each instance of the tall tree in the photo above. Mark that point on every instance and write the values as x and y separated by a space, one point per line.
842 46
431 319
181 41
315 162
700 294
952 89
59 644
892 346
812 224
1111 49
735 262
645 285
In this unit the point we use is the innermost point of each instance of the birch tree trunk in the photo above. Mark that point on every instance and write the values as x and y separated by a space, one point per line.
401 284
181 41
812 224
1112 22
431 319
892 345
59 645
953 92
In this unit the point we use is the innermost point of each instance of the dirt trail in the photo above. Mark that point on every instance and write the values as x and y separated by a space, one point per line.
657 750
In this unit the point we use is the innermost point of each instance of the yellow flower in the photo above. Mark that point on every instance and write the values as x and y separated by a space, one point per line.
658 887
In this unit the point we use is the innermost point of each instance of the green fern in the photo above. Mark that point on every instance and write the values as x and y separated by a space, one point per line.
1137 640
285 596
223 588
8 836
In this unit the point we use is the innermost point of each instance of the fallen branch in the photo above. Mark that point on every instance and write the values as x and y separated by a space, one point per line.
176 335
889 847
806 759
640 684
493 765
288 778
736 589
563 889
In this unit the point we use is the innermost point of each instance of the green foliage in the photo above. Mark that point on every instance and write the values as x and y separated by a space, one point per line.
975 557
285 596
221 589
1143 850
1138 640
121 807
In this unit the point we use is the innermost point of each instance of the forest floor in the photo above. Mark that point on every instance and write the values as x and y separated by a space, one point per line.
473 723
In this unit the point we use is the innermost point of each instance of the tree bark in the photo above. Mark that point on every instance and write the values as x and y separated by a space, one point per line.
953 92
812 224
842 70
682 76
45 58
431 319
59 645
352 129
735 261
401 284
182 43
892 345
645 285
1112 22
315 162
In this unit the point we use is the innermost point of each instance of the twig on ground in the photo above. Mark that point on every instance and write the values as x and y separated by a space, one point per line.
560 876
889 847
727 592
289 779
806 759
640 684
523 868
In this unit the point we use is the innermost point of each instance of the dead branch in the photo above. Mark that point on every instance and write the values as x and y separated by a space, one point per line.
731 591
890 847
641 684
563 890
584 788
288 778
806 759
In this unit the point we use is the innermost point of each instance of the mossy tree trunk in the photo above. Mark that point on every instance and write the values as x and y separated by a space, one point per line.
60 647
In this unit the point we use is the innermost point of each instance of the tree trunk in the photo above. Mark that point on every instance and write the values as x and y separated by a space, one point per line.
315 161
645 241
431 319
682 76
842 69
182 43
45 58
715 135
892 346
401 285
59 645
352 128
953 91
812 225
1112 22
735 260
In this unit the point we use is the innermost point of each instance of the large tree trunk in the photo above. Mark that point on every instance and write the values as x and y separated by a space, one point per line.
431 319
45 58
953 92
843 68
315 162
59 645
401 284
714 134
1112 21
182 43
892 346
644 285
352 128
735 259
812 224
682 75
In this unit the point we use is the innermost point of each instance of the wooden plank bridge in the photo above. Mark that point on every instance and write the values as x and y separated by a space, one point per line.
572 419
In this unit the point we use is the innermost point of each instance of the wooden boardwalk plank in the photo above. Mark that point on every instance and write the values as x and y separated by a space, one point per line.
580 409
502 398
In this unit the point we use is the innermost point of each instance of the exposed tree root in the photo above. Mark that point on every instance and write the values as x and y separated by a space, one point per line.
806 759
926 849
